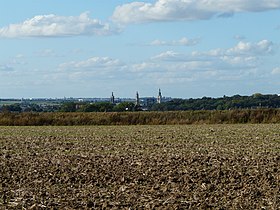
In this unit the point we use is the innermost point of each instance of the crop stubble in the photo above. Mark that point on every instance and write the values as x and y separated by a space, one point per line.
140 167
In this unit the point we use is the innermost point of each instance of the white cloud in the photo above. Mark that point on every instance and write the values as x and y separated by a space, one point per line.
173 10
263 47
47 53
239 37
19 56
241 49
243 52
13 63
93 63
92 68
182 42
276 71
57 26
174 73
6 68
19 59
240 61
142 67
169 56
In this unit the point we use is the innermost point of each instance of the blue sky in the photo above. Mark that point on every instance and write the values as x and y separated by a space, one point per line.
188 48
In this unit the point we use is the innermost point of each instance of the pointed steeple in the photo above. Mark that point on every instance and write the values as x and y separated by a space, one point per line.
137 102
159 99
112 100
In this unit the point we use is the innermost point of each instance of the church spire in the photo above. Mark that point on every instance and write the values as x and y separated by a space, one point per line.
137 102
159 99
112 100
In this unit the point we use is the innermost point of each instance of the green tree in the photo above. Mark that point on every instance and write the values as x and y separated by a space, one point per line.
105 106
124 106
12 108
68 107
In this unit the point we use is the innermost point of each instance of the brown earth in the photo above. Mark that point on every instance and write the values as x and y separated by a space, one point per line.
140 167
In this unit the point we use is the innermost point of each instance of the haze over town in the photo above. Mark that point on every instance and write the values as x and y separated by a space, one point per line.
91 48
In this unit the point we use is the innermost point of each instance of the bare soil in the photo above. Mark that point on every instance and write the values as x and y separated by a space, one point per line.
140 167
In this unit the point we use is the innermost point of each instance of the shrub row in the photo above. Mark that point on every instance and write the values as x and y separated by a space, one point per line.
141 118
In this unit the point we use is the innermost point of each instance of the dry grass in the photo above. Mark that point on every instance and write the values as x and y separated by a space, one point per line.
250 116
140 167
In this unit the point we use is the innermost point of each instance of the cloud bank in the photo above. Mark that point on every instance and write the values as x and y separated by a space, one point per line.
240 50
135 12
237 62
174 10
57 26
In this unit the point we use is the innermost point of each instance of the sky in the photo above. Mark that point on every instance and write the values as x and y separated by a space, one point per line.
91 48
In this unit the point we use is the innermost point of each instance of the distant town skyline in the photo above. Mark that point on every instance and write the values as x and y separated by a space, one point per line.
156 95
91 48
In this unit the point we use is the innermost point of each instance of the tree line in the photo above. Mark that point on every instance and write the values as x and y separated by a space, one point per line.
206 103
255 101
224 103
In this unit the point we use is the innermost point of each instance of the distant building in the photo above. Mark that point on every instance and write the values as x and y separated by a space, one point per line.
112 100
137 101
159 98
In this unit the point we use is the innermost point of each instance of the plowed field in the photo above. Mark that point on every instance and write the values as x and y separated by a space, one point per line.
140 167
